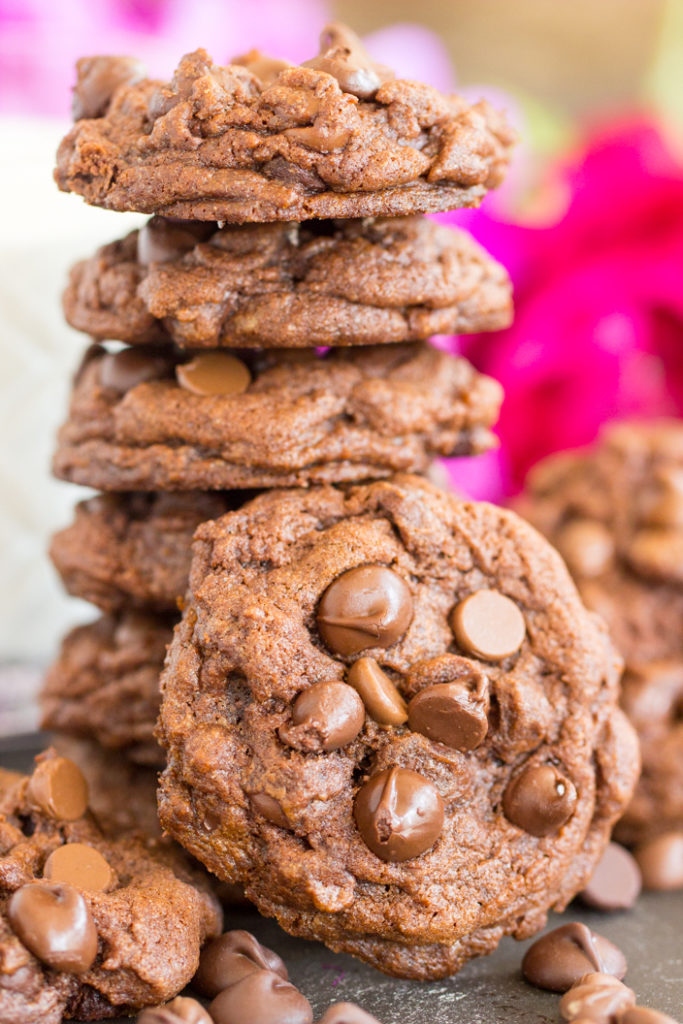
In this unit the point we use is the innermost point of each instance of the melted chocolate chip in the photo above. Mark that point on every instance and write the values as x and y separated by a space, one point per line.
180 1010
452 713
124 370
598 997
162 239
561 957
643 1015
270 808
615 883
54 922
370 606
231 957
79 865
399 814
343 56
539 800
265 68
349 1013
587 546
261 998
98 80
58 788
381 699
489 625
214 373
326 717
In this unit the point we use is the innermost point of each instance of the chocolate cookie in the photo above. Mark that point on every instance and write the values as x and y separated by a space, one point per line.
126 551
355 282
615 511
91 926
388 713
139 420
254 141
105 683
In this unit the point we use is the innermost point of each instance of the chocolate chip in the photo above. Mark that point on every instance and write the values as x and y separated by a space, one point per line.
563 956
452 713
180 1010
383 702
587 546
540 800
326 717
598 997
265 68
643 1015
98 80
349 1013
79 865
124 370
58 788
55 924
162 239
270 808
661 861
214 373
489 625
615 883
343 56
261 998
370 606
399 814
667 507
229 958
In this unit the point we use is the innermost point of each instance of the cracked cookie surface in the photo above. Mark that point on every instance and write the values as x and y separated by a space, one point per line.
322 630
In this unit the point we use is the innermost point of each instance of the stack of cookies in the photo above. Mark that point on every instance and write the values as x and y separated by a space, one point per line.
222 387
386 712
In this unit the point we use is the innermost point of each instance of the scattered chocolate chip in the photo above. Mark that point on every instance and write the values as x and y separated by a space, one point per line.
180 1010
326 717
615 883
661 861
261 998
563 956
349 1013
643 1015
587 546
121 371
382 701
162 239
343 56
370 606
98 80
79 865
489 625
214 373
55 924
598 997
58 788
452 713
270 808
399 814
229 958
444 668
540 800
667 507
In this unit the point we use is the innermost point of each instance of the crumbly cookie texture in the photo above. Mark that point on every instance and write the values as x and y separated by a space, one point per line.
328 637
132 551
292 418
240 143
615 512
104 684
356 282
91 926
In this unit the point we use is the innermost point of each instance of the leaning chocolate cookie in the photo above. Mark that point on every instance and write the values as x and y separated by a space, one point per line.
149 418
104 684
91 926
126 551
389 715
615 512
353 282
259 140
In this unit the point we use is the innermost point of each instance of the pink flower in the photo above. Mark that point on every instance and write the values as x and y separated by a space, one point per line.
598 331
